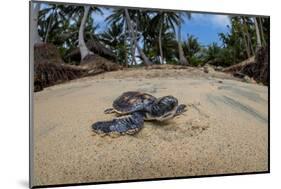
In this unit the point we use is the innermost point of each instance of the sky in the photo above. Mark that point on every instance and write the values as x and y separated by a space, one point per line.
201 25
205 27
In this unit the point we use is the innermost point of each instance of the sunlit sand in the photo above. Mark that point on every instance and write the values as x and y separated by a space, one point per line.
224 130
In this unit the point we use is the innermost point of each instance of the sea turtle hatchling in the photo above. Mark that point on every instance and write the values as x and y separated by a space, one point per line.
133 108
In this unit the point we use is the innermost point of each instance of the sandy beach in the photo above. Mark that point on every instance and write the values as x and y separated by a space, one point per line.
225 128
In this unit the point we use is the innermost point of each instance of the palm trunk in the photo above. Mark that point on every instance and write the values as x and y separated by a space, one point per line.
49 24
246 45
261 30
257 33
144 43
160 43
84 51
248 37
132 50
143 56
133 61
246 42
125 46
135 45
35 38
146 61
182 58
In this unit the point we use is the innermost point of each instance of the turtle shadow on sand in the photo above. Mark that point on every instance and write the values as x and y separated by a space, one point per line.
155 123
193 123
172 130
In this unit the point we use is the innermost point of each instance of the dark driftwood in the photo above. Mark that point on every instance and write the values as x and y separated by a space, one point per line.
238 67
255 67
260 70
46 52
49 68
48 74
95 64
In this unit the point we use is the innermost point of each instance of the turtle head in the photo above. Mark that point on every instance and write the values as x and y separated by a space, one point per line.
165 108
167 103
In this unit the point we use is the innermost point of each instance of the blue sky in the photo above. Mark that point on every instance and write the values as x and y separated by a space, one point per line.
203 26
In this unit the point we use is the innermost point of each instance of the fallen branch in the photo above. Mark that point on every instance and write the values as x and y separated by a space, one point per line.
238 67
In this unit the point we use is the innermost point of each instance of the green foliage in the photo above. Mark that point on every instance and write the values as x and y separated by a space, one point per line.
114 39
169 45
59 25
192 50
218 56
168 18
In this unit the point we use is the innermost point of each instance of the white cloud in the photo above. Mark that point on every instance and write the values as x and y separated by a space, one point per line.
219 21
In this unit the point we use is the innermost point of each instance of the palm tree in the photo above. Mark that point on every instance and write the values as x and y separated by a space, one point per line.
257 33
170 44
182 58
260 20
191 47
131 26
243 30
67 25
238 40
171 19
48 17
118 16
140 19
53 14
115 39
133 35
69 32
246 23
212 52
84 51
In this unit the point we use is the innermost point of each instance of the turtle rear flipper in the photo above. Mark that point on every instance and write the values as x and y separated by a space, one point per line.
130 124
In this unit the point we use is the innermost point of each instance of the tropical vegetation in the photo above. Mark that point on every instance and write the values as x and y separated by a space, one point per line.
144 37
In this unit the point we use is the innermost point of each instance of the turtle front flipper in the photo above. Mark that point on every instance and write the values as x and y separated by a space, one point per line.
180 109
109 111
130 124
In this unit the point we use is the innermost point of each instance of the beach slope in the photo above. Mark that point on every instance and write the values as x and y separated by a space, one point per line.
225 129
